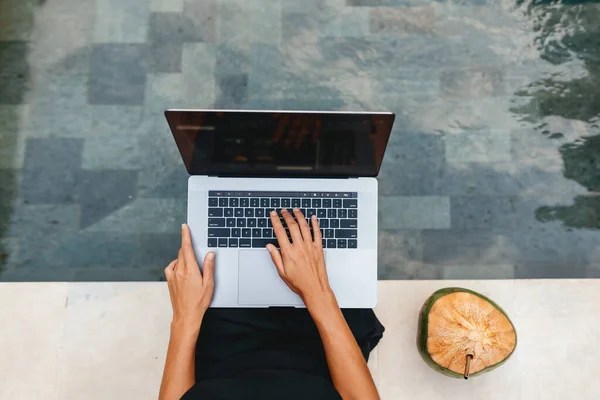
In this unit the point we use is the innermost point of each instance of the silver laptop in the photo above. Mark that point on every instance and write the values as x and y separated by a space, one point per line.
245 163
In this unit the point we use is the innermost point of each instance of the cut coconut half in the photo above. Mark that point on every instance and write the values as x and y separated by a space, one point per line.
457 324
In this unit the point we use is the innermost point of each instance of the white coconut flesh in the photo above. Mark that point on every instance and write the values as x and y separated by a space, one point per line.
462 323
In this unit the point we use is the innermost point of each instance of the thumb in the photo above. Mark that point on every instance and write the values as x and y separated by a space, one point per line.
276 257
170 269
208 267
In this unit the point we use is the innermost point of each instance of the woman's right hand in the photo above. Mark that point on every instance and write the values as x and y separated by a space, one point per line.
301 262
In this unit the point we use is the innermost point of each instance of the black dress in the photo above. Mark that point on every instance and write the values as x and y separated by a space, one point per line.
270 354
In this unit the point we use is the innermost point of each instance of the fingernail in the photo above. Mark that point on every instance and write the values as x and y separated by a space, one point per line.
210 256
296 209
314 216
182 226
284 209
273 212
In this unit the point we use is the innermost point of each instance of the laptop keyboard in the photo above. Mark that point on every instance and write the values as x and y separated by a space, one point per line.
241 219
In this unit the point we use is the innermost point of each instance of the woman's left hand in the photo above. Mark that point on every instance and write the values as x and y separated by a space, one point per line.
191 292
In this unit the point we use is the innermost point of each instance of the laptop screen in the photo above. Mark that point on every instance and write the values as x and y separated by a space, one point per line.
268 143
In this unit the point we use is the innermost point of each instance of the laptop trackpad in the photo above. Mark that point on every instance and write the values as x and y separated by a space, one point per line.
259 282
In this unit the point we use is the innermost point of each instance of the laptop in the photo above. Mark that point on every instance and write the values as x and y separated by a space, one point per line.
245 163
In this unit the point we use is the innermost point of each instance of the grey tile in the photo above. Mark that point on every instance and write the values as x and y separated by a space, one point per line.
231 91
198 73
9 249
159 249
378 3
116 151
175 27
502 271
37 274
474 247
9 189
529 144
293 104
411 163
403 20
399 256
118 74
298 25
478 81
350 22
102 192
51 170
492 212
16 19
205 15
232 59
12 136
14 72
414 212
109 120
251 21
165 57
412 270
584 212
173 185
550 271
166 5
487 145
121 21
117 274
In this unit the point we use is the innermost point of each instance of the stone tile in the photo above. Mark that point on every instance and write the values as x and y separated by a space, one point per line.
9 251
379 3
51 169
165 57
102 192
350 22
159 249
502 271
30 271
478 146
58 107
16 20
14 72
492 212
232 59
12 136
232 91
174 27
101 321
118 74
166 5
9 190
415 212
550 270
121 21
139 273
205 14
582 212
145 215
398 252
478 81
34 316
117 151
403 20
251 21
107 120
173 185
198 68
294 104
411 163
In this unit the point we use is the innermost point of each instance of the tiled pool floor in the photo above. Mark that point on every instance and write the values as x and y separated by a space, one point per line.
493 169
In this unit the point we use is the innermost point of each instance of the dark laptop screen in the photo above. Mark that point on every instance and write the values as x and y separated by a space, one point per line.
252 143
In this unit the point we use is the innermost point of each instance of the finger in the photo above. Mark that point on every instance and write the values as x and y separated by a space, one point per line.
208 268
186 245
181 264
304 228
292 225
316 231
279 230
276 257
170 270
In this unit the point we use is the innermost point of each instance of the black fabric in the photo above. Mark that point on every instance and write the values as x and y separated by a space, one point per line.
270 354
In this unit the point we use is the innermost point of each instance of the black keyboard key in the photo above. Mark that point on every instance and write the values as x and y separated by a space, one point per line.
349 223
352 244
246 232
331 243
316 203
254 202
275 203
267 233
236 232
337 203
262 223
244 202
342 213
264 242
268 211
259 212
215 212
231 222
324 243
213 202
234 202
341 244
251 222
222 242
223 202
264 203
229 212
321 213
233 242
329 233
324 223
269 223
310 212
239 212
296 203
256 232
286 203
346 233
331 213
216 222
350 203
240 222
303 211
218 232
245 242
249 212
334 223
326 203
212 242
352 213
305 203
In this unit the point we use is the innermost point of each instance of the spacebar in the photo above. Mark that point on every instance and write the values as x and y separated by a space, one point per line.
264 242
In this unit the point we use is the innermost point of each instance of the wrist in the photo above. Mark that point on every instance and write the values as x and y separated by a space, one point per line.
185 327
321 302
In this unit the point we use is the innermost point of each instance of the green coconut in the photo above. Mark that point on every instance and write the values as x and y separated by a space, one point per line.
459 326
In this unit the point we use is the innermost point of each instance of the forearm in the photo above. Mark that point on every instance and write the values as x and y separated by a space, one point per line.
347 366
178 376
